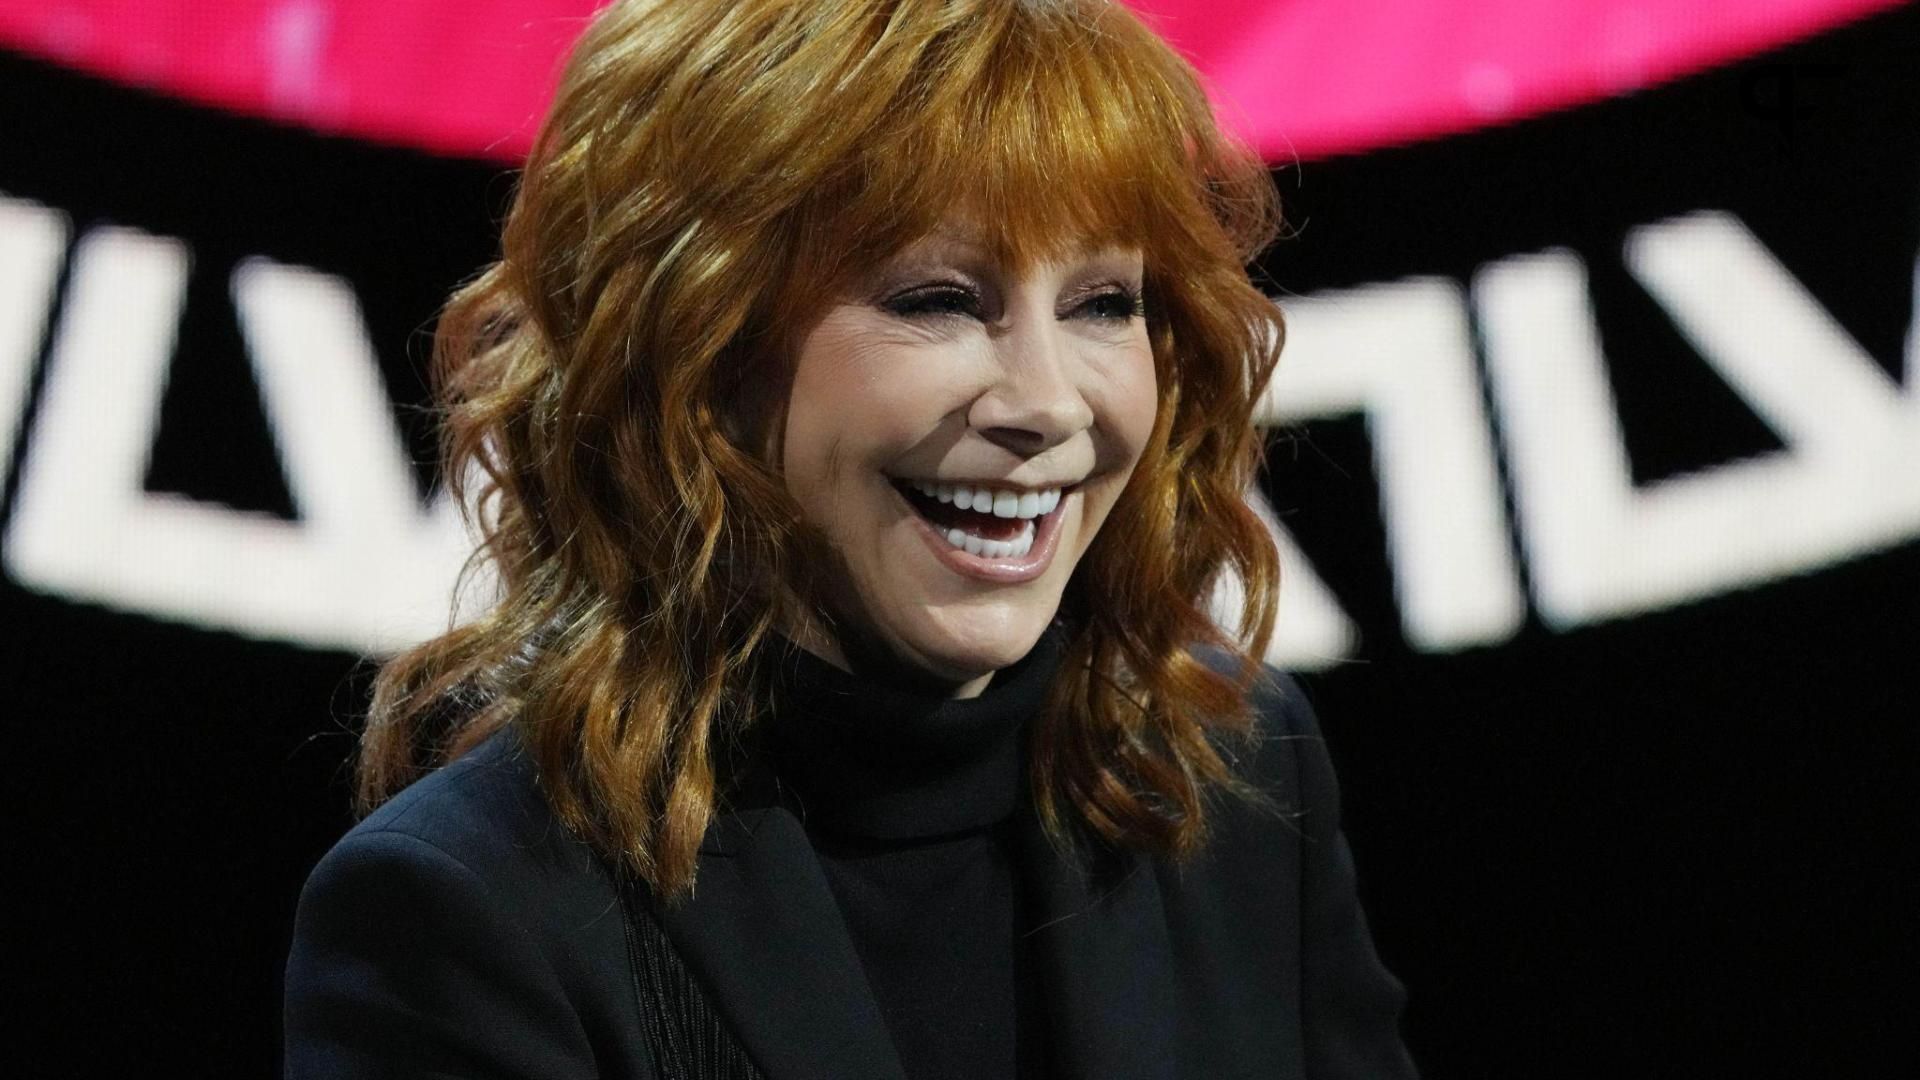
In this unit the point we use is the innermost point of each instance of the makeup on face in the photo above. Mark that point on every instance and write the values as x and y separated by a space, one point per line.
960 431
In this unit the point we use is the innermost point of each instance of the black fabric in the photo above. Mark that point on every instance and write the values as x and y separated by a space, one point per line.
941 932
461 931
909 799
686 1039
868 758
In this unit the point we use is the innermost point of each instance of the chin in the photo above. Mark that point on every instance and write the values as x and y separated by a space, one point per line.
899 631
962 653
969 662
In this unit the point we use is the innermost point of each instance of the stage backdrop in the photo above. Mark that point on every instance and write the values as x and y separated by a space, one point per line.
1597 481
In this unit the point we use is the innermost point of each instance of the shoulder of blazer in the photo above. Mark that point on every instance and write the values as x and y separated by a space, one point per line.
485 810
462 923
1284 754
1268 918
1251 870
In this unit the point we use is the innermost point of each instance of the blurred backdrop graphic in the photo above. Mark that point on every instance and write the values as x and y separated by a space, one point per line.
1596 477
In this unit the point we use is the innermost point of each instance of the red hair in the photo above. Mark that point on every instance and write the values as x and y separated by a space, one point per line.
708 176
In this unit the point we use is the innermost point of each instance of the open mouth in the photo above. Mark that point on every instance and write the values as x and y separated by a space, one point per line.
990 523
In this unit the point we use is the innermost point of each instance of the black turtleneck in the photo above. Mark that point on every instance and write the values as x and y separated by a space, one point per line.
911 801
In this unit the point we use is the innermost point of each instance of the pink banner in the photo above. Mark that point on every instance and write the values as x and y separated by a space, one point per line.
1303 78
1309 78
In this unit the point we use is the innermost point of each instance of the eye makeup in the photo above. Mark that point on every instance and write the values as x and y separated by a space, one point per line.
935 299
1110 301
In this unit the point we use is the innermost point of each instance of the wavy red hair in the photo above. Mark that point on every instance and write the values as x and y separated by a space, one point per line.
708 178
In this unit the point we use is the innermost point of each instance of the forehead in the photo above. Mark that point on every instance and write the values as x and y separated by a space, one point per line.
963 242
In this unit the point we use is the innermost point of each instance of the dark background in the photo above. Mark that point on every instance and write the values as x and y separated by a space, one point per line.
1678 844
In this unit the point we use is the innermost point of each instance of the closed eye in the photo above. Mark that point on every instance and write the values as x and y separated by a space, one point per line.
943 300
1113 303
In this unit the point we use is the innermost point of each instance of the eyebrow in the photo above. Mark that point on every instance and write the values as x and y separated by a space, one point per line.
950 243
947 242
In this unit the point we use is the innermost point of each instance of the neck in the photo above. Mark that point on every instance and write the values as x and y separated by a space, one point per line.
875 661
884 759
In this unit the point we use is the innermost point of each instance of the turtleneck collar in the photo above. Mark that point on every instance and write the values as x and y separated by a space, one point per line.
880 761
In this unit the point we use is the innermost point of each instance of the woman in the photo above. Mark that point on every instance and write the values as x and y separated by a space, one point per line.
862 402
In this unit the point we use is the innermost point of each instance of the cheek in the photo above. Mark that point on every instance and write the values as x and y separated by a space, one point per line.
860 401
809 444
1131 401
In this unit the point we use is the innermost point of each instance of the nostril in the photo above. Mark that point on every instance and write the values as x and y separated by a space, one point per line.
1020 440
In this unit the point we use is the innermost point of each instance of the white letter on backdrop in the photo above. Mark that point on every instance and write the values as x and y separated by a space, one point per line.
1401 353
32 239
366 567
1598 548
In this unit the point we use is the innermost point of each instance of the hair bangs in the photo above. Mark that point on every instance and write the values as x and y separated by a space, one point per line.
1041 128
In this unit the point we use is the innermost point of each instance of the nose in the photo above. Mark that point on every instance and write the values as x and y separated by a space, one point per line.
1036 402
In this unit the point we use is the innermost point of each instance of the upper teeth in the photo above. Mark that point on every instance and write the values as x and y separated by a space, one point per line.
999 502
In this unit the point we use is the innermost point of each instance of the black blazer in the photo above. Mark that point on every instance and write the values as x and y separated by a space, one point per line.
461 931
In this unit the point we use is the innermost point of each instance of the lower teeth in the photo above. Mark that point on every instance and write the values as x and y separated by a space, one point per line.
993 549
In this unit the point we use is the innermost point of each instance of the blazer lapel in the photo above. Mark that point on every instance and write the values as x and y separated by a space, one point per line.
763 933
1106 966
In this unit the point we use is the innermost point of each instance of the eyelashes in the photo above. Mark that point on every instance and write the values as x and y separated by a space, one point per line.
1116 301
937 300
1109 302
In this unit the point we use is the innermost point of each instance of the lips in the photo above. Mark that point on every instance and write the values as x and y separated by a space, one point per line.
948 516
1012 569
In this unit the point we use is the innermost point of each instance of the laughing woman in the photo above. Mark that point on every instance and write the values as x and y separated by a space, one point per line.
860 413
